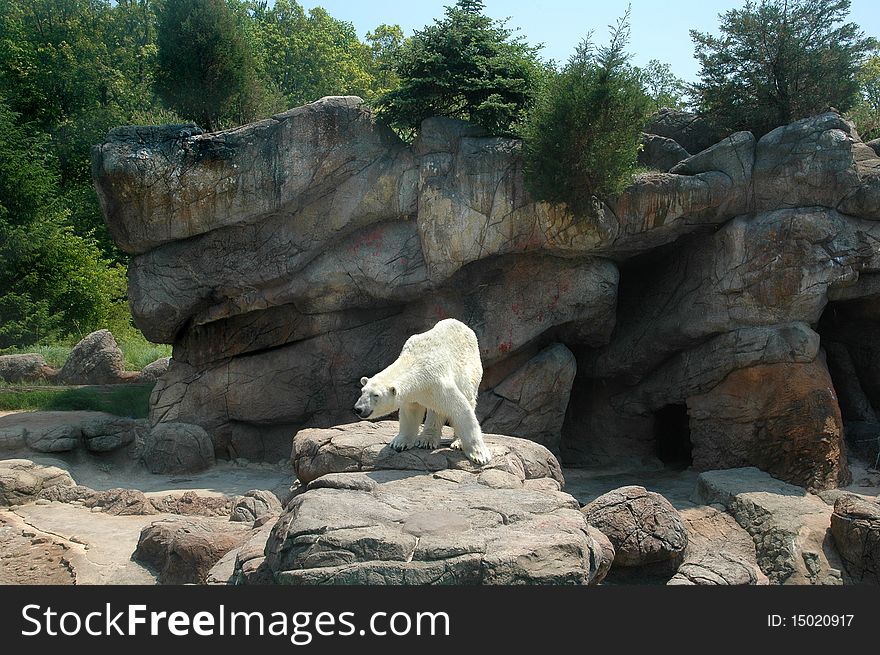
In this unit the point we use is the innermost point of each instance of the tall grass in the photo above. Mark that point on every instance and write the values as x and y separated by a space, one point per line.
136 350
123 399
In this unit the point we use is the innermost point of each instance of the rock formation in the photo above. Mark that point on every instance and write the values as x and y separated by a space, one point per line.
684 320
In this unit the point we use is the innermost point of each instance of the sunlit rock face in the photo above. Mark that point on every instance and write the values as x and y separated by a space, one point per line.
288 258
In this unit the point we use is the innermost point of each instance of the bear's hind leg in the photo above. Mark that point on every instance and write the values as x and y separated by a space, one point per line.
411 416
431 432
467 428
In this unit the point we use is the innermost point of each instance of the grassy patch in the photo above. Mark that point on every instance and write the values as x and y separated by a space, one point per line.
136 350
123 400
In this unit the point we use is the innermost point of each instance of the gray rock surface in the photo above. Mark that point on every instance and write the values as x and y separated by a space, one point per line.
531 401
660 153
177 448
693 132
21 480
255 504
94 360
719 551
154 370
373 516
855 525
364 446
790 526
642 525
183 550
316 242
60 431
28 367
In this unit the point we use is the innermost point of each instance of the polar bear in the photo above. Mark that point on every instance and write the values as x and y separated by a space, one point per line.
437 372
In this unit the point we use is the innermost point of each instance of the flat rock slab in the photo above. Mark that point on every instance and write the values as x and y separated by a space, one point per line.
719 551
364 446
407 527
790 527
100 545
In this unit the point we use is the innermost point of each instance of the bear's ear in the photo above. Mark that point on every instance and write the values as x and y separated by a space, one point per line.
364 381
393 390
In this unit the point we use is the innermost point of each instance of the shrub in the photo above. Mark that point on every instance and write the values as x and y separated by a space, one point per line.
583 137
465 66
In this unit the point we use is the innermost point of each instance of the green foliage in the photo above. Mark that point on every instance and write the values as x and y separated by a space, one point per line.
662 86
777 61
583 136
53 282
204 69
132 400
466 66
311 55
866 114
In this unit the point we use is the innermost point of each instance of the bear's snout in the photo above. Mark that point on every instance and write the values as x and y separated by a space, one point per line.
361 412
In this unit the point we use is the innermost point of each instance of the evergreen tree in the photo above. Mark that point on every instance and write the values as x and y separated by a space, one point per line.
205 69
777 61
466 66
584 134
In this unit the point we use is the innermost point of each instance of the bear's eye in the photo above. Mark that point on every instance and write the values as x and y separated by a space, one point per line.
374 395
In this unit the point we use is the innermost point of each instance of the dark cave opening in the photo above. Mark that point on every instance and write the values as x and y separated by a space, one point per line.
672 434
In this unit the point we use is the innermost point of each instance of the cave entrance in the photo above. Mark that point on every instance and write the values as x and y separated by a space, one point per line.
672 434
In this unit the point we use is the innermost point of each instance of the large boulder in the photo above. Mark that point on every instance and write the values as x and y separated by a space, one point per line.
255 504
855 525
154 370
183 550
29 367
643 526
94 360
21 480
693 132
660 153
370 515
364 446
177 448
531 401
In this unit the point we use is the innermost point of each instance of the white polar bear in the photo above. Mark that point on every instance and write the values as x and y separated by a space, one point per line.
438 371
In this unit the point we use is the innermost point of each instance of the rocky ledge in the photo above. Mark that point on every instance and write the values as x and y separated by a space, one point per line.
370 515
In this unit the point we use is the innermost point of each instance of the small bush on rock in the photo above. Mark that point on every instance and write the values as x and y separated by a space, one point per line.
583 137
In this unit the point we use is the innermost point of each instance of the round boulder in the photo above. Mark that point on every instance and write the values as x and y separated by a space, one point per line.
154 370
30 367
177 448
643 526
96 359
855 525
255 504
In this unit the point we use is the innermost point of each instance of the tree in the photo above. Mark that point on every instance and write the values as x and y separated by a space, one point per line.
777 61
52 282
311 55
584 134
385 43
866 114
662 86
466 66
205 69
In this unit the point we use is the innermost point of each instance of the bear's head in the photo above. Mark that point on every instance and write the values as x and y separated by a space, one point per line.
377 399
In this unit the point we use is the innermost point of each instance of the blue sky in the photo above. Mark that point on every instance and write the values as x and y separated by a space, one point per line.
659 29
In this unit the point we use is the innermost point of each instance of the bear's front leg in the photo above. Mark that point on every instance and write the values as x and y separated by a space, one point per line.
431 432
467 429
411 416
